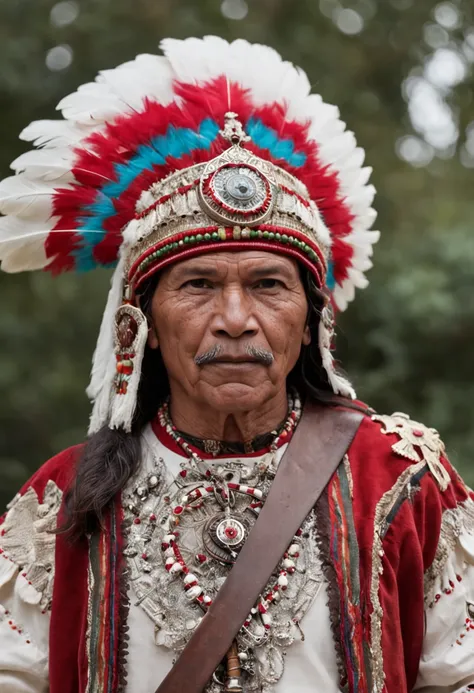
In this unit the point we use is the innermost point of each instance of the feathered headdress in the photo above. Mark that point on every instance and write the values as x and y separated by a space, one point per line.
213 145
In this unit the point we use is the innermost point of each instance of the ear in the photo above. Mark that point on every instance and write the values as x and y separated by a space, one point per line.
306 340
153 341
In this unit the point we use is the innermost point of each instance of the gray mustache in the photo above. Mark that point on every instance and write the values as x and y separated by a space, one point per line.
261 355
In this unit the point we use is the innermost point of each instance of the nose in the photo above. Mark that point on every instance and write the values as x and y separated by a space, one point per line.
234 316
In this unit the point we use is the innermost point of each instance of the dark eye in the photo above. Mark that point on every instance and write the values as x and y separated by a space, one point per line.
268 284
198 284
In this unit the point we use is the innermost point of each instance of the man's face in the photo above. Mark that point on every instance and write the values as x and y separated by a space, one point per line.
234 311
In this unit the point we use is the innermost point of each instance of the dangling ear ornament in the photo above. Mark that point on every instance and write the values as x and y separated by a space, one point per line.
131 332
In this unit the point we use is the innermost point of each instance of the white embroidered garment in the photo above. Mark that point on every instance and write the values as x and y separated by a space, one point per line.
169 620
446 666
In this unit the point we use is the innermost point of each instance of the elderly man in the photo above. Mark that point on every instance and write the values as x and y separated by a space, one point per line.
239 213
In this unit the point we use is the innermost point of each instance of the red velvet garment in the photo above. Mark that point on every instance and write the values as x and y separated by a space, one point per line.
381 510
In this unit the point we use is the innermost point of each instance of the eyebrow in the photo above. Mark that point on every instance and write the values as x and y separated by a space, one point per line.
269 269
211 271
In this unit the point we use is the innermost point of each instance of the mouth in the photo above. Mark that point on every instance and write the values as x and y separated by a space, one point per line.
236 359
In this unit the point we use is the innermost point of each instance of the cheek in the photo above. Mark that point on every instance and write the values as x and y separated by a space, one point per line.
180 330
284 328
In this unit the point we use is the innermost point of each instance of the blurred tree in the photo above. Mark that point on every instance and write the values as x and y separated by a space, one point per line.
406 342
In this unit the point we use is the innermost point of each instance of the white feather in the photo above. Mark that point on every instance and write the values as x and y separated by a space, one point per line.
90 107
55 133
26 198
146 77
46 164
22 245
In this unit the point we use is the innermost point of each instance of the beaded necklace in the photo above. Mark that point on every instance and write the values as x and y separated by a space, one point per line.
227 530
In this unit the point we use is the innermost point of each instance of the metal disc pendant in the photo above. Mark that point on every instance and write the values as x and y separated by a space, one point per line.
224 535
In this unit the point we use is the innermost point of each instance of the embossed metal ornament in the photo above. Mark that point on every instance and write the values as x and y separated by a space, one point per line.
237 187
224 535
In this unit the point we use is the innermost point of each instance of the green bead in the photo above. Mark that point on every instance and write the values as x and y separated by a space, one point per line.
285 238
278 236
215 236
192 239
265 234
207 236
186 239
199 237
271 235
253 233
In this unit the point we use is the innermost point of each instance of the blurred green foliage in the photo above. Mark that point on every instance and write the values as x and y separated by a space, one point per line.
406 342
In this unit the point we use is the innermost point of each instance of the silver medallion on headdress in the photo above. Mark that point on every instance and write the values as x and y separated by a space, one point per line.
237 187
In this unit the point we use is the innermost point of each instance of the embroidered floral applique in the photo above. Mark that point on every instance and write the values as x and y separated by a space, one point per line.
27 541
417 443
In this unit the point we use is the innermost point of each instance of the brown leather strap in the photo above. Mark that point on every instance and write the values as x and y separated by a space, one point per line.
316 449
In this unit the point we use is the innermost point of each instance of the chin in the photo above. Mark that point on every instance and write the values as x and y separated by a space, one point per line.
237 397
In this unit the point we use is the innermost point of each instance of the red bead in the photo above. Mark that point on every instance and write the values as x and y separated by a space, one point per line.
3 532
437 597
230 532
153 517
267 626
418 432
183 473
451 584
283 434
178 510
185 568
137 521
447 591
458 578
208 473
262 609
144 556
201 557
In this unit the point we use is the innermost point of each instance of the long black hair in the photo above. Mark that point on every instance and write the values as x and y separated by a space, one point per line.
111 456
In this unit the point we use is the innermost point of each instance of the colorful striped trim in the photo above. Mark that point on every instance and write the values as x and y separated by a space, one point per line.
344 553
103 608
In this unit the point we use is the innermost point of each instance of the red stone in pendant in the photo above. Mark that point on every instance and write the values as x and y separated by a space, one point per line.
178 510
127 329
418 432
230 532
201 558
137 521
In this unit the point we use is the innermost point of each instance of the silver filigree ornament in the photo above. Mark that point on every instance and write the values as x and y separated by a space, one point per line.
237 187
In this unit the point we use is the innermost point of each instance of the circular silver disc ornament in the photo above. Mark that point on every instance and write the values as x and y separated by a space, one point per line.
223 536
236 193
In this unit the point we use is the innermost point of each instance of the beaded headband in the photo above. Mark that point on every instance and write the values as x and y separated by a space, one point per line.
212 146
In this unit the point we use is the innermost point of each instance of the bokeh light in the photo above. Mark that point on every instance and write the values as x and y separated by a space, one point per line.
59 58
234 9
64 13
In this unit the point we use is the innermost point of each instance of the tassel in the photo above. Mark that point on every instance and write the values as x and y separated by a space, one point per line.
131 332
339 384
103 365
